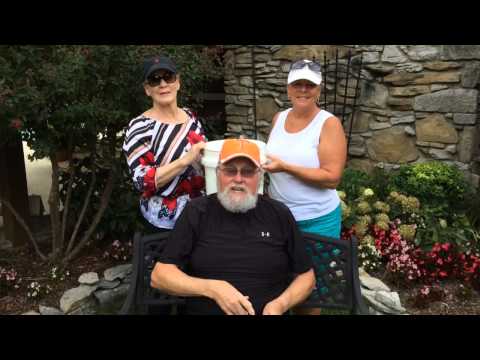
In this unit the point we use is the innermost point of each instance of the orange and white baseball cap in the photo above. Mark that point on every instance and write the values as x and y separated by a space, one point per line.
233 148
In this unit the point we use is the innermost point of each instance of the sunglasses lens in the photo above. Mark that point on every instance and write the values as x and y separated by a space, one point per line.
156 79
247 172
169 77
230 172
314 66
298 65
301 64
244 172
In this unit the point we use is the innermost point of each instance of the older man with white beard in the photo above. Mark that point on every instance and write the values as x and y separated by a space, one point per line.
236 252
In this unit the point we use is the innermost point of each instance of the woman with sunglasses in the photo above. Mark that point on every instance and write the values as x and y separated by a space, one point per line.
306 155
163 148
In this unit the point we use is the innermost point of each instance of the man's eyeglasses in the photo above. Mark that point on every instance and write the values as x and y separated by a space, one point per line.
302 63
245 172
156 79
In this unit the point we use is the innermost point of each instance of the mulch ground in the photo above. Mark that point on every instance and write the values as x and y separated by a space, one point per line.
30 269
454 298
450 297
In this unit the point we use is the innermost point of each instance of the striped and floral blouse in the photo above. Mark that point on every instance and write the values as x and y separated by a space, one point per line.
150 144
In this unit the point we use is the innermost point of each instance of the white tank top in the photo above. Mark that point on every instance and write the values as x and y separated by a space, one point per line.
304 201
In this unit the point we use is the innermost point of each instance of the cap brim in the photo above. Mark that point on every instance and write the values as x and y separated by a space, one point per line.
234 156
159 67
304 74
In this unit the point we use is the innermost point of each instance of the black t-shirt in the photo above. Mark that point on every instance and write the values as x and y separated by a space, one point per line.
256 252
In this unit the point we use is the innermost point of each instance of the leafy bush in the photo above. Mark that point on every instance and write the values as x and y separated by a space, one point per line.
80 98
122 216
406 234
441 187
472 206
354 182
380 180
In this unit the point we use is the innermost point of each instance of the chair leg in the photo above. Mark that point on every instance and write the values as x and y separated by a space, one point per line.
128 305
130 302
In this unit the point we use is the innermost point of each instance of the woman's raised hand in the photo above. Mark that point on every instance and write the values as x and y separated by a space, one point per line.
273 164
195 153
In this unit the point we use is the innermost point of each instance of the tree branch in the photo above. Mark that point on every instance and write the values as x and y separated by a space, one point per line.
66 205
82 213
24 225
53 201
107 192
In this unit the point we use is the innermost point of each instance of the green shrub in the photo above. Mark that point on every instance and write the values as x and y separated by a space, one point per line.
441 187
432 203
472 206
354 182
380 182
80 98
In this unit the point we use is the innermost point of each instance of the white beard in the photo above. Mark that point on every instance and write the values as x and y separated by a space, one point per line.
237 206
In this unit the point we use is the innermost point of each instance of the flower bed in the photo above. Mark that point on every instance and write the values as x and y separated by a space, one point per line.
414 236
26 283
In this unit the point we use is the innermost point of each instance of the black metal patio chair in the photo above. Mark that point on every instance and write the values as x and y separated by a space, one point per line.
336 271
335 262
141 296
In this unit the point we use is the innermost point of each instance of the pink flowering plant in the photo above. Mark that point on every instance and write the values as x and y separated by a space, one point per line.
402 235
9 279
119 251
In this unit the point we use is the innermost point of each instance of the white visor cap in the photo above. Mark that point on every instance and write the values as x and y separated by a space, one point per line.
304 74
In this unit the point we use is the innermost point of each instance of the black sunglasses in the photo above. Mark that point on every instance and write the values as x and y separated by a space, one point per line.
245 172
156 79
302 63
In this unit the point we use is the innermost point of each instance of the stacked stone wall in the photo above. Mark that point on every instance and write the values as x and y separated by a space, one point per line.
417 102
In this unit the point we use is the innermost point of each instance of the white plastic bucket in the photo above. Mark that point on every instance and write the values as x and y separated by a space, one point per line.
210 157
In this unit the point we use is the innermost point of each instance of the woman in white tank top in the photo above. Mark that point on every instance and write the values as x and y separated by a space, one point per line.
306 154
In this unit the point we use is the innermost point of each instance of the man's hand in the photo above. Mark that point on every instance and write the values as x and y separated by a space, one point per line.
230 300
274 307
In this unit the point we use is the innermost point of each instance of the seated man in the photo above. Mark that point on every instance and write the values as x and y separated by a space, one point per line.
235 252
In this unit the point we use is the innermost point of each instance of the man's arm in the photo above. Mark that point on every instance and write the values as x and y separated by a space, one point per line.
169 278
299 290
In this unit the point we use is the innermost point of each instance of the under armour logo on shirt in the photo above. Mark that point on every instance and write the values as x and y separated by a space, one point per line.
265 234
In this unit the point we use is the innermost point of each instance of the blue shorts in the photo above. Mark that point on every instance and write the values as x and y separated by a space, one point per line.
329 225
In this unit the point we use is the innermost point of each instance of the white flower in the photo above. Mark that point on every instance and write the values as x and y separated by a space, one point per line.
368 192
443 223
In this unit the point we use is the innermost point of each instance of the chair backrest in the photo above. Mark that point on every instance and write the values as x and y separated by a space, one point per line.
334 262
149 248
